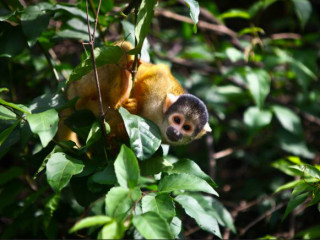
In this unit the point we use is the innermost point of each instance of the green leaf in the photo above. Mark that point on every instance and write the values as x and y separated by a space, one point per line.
258 82
44 124
144 18
34 21
6 133
107 176
104 55
176 226
127 168
60 169
144 135
6 114
112 230
288 119
18 107
194 12
303 10
284 166
119 201
289 185
256 118
235 13
310 233
160 203
251 30
90 222
234 54
192 207
128 29
50 207
46 102
214 208
154 165
183 181
294 202
151 226
190 167
308 170
95 133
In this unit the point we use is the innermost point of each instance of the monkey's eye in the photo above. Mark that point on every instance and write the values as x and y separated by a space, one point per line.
186 127
177 120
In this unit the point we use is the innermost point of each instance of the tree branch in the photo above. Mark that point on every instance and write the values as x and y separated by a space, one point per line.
91 43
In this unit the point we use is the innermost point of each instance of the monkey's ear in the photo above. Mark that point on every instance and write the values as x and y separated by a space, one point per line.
204 130
170 99
207 128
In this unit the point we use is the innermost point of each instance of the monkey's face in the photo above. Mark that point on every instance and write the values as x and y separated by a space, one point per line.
186 119
179 130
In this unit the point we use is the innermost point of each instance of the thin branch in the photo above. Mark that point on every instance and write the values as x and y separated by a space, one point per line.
91 42
135 62
101 33
260 218
218 28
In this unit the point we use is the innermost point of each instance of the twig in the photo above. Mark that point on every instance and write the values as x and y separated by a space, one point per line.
101 33
135 62
260 218
285 36
91 43
218 28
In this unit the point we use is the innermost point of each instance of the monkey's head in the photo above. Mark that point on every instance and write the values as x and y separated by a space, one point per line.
185 119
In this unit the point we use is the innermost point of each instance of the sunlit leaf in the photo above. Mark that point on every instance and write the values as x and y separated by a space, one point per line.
127 168
112 230
258 82
144 135
144 18
235 13
60 169
183 181
288 119
44 124
119 201
256 118
151 226
159 203
192 207
190 167
194 12
90 222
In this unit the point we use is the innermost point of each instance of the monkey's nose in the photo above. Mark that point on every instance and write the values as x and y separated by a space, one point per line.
173 134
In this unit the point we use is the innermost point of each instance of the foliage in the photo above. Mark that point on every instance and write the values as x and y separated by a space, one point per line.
255 65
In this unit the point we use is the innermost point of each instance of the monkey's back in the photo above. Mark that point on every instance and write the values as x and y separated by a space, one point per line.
152 84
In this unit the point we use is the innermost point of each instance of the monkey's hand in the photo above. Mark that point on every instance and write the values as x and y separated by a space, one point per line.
131 105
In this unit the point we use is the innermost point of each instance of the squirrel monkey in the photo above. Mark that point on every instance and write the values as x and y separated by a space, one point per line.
156 95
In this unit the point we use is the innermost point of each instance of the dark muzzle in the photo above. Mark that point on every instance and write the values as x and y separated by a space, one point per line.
173 134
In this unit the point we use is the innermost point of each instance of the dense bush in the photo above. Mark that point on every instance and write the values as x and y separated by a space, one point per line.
255 65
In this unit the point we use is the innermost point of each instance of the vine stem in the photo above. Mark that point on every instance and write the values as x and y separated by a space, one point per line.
91 43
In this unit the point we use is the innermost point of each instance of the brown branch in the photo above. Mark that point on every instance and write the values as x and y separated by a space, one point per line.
218 28
91 43
260 218
285 36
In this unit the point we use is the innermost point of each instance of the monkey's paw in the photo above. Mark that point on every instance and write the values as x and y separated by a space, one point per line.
131 105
